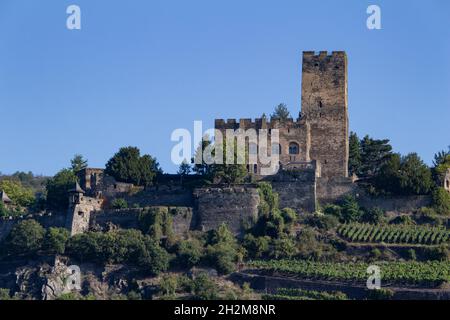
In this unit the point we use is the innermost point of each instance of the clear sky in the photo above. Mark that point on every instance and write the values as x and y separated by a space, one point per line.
139 69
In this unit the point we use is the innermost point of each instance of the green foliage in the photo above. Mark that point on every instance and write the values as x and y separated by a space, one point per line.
350 209
18 194
300 294
119 203
58 187
229 173
281 112
354 160
122 246
157 223
55 240
204 288
189 253
25 238
414 234
441 201
222 253
5 295
407 175
129 166
268 198
283 248
373 215
325 222
200 166
380 294
411 272
3 211
256 247
185 168
168 284
78 163
374 154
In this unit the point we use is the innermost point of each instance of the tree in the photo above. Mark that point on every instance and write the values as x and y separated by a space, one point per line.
78 163
374 153
351 211
55 240
25 238
200 166
222 250
281 112
184 169
440 157
58 188
17 193
229 173
415 176
441 201
354 160
189 252
128 166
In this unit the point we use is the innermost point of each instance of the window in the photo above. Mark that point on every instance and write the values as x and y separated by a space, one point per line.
255 168
293 148
448 184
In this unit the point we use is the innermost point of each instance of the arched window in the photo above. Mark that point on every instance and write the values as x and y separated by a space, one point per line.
276 148
294 148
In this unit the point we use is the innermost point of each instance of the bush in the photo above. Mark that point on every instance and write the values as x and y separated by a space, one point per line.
55 240
222 252
373 215
119 203
4 295
168 285
189 253
204 288
351 212
283 248
256 247
19 194
441 201
440 253
333 210
156 222
380 294
123 246
25 238
325 222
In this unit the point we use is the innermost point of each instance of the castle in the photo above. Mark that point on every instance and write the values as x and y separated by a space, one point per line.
313 162
321 131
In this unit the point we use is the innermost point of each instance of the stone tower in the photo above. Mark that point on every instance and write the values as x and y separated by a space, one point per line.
324 106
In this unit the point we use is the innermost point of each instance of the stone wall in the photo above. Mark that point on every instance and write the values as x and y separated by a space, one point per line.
405 204
173 196
129 219
296 188
47 221
330 190
236 206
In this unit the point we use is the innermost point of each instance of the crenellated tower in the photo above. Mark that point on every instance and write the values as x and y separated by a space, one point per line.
325 108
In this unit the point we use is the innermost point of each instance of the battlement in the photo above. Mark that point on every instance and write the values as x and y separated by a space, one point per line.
323 54
258 123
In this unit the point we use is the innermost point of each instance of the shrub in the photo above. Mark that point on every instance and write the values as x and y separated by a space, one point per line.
119 203
283 248
168 284
189 252
351 211
256 247
441 201
25 238
57 188
373 215
325 222
380 294
55 240
4 295
204 288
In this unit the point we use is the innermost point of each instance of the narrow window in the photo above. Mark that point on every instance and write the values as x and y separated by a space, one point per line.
294 148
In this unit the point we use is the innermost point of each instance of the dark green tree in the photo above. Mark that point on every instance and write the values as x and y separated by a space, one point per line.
55 240
78 163
185 168
58 187
200 166
414 176
374 153
25 238
281 112
127 165
227 172
354 160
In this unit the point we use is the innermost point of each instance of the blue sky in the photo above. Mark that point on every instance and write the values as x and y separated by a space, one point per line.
139 69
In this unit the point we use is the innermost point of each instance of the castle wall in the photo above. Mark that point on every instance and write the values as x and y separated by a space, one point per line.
398 204
47 221
236 206
324 105
129 219
331 189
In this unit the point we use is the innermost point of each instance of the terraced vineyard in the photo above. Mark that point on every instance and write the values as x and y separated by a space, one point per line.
299 294
415 273
359 232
